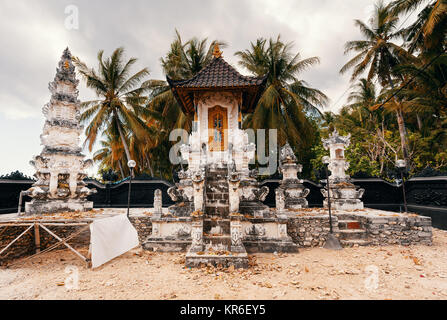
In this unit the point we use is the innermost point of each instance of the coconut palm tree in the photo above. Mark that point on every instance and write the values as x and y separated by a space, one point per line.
120 98
111 154
287 99
362 98
378 55
428 32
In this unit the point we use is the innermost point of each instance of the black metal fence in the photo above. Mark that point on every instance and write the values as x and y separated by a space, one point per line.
426 196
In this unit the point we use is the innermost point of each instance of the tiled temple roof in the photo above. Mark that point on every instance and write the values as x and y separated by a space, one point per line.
218 75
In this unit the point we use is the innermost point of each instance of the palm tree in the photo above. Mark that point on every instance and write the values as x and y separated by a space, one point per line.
286 99
378 55
120 98
429 30
362 98
110 155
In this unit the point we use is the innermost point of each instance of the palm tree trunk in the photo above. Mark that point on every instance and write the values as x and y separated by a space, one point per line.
401 124
149 165
121 169
123 140
403 135
419 122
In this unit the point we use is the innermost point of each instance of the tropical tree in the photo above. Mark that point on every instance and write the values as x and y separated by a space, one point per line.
287 100
428 32
362 99
120 99
110 155
378 55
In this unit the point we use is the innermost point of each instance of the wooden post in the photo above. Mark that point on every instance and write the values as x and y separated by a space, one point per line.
37 237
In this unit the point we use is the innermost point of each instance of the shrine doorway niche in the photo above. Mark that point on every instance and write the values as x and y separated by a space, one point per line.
217 129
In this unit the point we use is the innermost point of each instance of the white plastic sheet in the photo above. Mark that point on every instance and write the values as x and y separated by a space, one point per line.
110 238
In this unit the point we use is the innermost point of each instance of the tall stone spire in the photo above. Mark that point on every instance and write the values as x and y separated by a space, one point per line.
61 168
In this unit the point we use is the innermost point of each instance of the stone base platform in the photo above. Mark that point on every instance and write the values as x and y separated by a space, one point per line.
42 207
270 246
238 260
345 204
166 245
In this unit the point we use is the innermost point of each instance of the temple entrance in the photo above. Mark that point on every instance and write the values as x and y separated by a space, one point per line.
217 128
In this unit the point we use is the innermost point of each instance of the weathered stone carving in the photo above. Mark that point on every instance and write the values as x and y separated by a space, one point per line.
158 203
344 194
61 168
236 236
197 236
234 181
291 191
198 180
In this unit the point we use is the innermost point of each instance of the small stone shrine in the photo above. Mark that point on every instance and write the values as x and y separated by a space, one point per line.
291 195
61 168
344 194
219 216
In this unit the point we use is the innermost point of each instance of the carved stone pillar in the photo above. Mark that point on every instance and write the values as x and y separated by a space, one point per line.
280 202
234 182
236 236
73 184
158 204
54 180
198 182
197 236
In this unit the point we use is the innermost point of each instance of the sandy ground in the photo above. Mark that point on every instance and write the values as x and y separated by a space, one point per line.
395 272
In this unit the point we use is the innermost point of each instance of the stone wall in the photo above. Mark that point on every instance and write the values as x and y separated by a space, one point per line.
401 230
311 231
143 225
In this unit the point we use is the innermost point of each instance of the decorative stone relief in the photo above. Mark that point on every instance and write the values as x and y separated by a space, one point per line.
236 236
197 236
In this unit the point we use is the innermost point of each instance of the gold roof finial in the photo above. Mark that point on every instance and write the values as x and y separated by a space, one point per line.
217 53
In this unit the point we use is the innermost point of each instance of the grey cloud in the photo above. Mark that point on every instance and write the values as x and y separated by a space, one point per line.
33 37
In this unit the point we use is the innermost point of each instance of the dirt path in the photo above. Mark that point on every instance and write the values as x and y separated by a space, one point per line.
416 272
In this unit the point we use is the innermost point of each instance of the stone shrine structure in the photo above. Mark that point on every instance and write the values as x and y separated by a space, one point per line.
291 195
344 194
219 216
61 168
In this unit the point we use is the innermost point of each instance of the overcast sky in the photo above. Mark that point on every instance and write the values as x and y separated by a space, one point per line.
33 35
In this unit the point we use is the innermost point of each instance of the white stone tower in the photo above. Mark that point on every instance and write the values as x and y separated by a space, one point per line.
344 194
61 168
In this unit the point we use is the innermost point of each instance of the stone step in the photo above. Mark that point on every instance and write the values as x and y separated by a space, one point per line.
209 224
349 224
218 188
217 196
355 243
218 211
352 234
216 240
